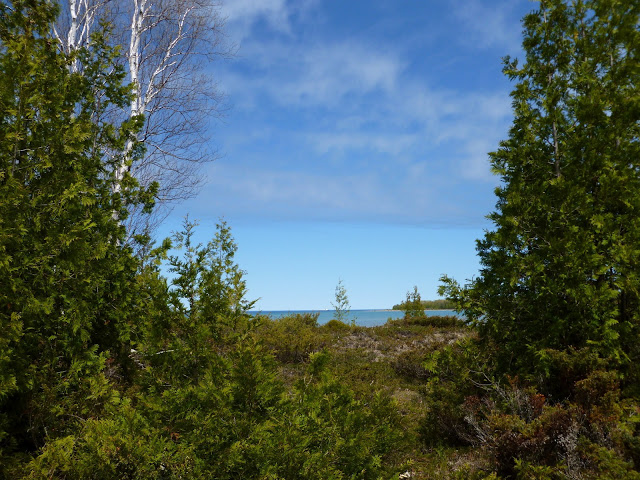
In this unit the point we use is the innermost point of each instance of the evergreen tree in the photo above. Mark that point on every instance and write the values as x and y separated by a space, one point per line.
106 371
208 288
342 307
560 269
65 276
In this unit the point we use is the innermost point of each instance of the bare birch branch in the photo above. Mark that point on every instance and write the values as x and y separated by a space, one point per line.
167 48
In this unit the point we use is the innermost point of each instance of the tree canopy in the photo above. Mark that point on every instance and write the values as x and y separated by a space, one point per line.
560 267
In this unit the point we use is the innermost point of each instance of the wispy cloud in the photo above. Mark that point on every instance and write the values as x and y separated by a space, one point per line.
296 75
347 128
334 196
242 15
489 24
343 141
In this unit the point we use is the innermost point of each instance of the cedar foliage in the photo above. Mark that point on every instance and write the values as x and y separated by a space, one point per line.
64 271
550 389
560 267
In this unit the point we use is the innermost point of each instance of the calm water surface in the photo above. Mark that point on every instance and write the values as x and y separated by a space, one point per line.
363 318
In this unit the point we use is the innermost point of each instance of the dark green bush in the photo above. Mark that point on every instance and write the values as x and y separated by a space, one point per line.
525 437
410 365
124 445
322 432
236 421
559 370
454 374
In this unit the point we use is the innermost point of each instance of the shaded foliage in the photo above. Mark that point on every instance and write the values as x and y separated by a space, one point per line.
66 303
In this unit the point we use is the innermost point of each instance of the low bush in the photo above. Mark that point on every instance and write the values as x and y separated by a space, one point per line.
236 421
439 321
334 325
291 338
455 373
410 365
325 432
591 434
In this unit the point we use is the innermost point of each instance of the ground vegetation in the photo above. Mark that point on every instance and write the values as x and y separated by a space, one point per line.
107 369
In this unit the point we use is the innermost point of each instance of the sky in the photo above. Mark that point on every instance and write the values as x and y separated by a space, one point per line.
355 144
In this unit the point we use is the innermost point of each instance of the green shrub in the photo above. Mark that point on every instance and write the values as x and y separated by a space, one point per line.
235 421
410 365
291 338
325 433
525 437
440 321
528 471
334 325
546 440
124 446
607 464
455 373
558 371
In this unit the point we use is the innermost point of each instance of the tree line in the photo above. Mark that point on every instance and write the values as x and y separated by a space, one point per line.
439 304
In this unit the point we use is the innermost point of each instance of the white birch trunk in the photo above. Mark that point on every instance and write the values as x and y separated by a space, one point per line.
136 106
73 31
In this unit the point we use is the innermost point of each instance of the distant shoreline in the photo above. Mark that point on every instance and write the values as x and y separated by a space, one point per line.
395 310
353 310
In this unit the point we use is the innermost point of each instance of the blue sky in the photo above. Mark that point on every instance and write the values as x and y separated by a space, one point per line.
356 144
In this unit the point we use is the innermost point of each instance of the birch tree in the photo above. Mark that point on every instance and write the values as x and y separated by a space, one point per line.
167 47
76 21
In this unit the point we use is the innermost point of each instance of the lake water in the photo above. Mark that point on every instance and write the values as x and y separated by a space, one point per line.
363 318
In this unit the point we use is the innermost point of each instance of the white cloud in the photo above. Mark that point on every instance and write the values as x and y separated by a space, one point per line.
489 23
340 104
406 117
237 10
345 195
243 14
392 144
475 164
329 73
323 75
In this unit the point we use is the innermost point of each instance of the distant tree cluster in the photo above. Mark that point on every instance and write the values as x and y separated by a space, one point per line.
439 304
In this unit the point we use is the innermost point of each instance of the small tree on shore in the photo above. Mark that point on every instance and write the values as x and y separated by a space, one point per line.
413 307
342 306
